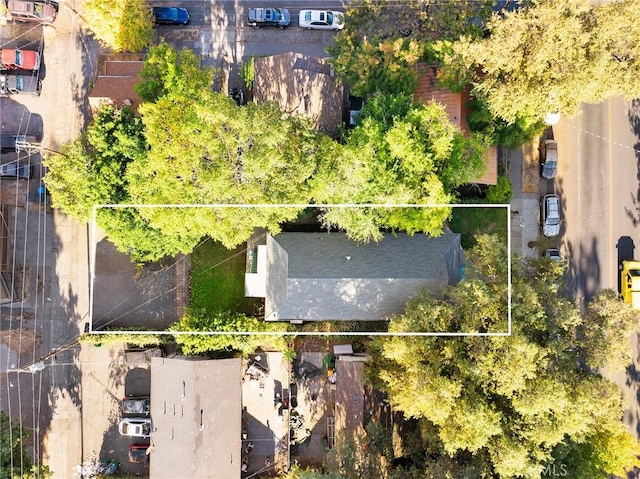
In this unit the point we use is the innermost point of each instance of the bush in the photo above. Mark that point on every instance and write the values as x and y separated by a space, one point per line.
137 340
501 192
248 72
510 135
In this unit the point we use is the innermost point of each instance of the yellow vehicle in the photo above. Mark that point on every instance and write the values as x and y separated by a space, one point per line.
630 283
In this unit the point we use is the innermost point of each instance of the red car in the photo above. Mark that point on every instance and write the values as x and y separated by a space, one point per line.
11 59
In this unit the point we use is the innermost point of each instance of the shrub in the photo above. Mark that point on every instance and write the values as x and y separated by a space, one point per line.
501 192
248 72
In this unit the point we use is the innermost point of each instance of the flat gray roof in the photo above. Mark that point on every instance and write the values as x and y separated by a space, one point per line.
196 409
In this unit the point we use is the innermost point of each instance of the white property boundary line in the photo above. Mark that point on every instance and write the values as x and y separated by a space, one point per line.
506 207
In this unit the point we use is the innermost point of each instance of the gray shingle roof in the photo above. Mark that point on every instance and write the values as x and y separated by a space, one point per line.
196 409
325 276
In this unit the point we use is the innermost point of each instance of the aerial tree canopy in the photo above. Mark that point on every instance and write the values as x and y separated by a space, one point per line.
382 41
168 70
123 26
91 169
551 56
15 460
398 153
193 154
209 151
225 322
520 403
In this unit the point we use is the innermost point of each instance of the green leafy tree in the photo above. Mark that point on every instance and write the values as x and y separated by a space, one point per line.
92 169
226 322
522 130
169 70
131 232
551 56
609 448
382 41
125 25
604 333
210 151
400 152
15 462
518 403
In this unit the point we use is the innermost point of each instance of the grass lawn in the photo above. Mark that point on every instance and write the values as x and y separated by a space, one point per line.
471 222
217 279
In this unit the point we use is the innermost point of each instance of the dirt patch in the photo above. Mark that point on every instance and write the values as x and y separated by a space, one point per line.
20 340
530 168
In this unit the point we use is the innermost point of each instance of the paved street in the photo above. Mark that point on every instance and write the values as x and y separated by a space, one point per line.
49 251
598 181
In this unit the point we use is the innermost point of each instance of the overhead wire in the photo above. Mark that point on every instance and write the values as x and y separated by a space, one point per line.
18 314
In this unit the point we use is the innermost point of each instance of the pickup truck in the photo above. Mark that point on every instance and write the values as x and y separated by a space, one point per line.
630 283
11 59
16 84
268 17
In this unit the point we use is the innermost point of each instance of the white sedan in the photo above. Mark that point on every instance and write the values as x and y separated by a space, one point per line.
135 427
321 20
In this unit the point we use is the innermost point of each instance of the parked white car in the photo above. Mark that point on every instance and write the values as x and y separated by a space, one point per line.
551 215
553 254
135 427
321 20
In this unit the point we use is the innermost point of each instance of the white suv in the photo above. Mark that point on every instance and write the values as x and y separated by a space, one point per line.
551 215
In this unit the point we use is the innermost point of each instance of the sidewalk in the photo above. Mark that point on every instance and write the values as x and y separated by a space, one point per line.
523 171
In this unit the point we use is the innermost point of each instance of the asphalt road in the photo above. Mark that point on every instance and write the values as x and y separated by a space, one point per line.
599 184
598 181
219 34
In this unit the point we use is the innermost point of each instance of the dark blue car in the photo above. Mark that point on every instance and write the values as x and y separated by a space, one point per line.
171 15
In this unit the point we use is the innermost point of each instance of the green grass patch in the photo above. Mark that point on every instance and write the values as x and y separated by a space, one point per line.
471 222
217 279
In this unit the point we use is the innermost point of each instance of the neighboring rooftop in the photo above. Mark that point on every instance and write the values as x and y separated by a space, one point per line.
303 85
116 80
456 106
350 397
196 409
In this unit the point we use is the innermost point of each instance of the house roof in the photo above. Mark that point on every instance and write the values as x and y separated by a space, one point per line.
303 85
115 83
196 408
456 106
327 276
350 397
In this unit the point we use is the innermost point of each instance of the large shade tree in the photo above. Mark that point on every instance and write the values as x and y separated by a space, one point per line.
197 165
512 406
92 170
399 152
125 25
550 56
209 151
382 41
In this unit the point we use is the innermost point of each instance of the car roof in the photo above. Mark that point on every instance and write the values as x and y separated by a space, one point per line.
166 13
